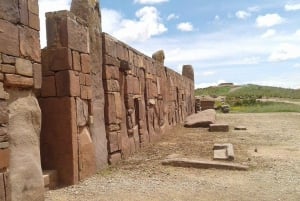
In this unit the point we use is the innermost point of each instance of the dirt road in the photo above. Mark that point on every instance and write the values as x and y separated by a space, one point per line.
274 169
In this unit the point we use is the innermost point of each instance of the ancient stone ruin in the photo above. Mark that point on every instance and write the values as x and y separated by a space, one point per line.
85 101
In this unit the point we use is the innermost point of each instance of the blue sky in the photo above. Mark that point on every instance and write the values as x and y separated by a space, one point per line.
226 41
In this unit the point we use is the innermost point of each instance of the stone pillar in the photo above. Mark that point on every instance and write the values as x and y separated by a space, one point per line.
20 76
188 71
66 144
89 11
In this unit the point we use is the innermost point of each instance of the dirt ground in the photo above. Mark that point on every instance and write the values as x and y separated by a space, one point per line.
274 172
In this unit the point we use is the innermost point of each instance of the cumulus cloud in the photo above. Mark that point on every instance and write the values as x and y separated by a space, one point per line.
269 20
241 14
185 26
147 24
284 52
292 7
150 1
172 16
269 33
49 6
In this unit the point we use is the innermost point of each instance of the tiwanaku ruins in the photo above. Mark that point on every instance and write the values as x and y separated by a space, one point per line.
88 117
85 101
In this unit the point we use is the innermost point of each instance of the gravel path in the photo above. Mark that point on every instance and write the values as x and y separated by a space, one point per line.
274 169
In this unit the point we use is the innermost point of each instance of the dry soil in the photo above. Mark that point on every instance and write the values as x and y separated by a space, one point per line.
270 146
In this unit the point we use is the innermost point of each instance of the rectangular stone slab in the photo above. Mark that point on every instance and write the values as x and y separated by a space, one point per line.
203 164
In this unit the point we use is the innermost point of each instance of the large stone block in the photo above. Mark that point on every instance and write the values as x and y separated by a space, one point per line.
87 159
48 86
114 158
6 59
59 141
13 80
24 67
3 112
110 45
23 8
115 141
111 86
7 68
113 106
30 44
86 92
33 6
111 72
9 11
9 37
67 83
58 58
34 21
37 75
85 63
24 130
4 158
63 29
82 112
76 61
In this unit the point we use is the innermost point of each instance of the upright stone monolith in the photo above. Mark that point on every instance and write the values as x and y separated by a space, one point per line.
89 11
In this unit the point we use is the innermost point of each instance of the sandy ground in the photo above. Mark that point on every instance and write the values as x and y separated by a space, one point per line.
274 169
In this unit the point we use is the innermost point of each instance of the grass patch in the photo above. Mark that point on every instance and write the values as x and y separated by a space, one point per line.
213 91
266 107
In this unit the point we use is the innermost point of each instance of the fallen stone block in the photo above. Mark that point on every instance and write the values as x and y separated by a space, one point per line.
240 128
201 119
205 164
223 151
218 127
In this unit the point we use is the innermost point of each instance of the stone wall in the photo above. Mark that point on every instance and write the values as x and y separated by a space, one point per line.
142 98
66 144
20 76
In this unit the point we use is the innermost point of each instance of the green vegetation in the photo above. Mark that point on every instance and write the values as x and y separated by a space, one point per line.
243 98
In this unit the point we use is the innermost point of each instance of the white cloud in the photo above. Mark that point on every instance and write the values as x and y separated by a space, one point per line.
150 1
297 32
49 6
284 52
209 84
185 26
147 24
208 73
292 7
269 33
241 14
269 20
172 16
217 17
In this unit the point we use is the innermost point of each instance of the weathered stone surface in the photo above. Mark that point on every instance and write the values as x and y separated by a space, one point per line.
85 63
111 73
58 58
33 6
4 145
223 151
6 59
48 87
37 76
4 158
86 92
34 21
67 83
159 56
7 68
184 162
9 11
23 7
3 134
50 179
59 144
87 162
3 112
3 94
201 119
89 11
13 80
24 67
188 71
115 141
115 158
112 85
76 61
30 44
24 130
218 127
82 112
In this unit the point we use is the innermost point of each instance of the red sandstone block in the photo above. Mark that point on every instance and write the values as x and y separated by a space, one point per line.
33 6
122 51
30 44
82 79
24 67
86 92
129 84
7 68
23 6
110 46
37 76
6 59
48 86
114 158
67 83
111 72
111 85
13 80
88 80
9 10
9 37
34 21
58 58
76 61
111 61
85 63
115 141
110 109
45 63
4 158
